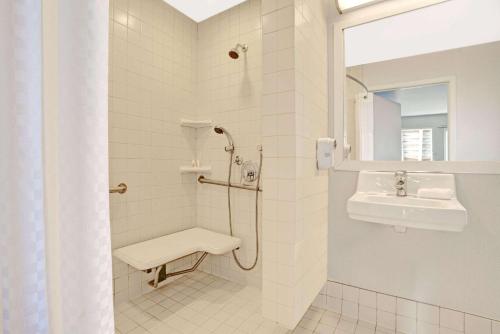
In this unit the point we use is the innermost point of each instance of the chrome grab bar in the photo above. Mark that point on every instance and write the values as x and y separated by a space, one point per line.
120 189
202 179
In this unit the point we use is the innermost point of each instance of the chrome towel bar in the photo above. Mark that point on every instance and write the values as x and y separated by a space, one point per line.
120 189
202 179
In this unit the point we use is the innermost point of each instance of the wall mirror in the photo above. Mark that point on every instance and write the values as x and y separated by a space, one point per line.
419 89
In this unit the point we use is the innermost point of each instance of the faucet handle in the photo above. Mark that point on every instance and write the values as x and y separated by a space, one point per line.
400 185
400 173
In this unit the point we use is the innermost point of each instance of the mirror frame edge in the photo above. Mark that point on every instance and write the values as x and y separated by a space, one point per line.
336 79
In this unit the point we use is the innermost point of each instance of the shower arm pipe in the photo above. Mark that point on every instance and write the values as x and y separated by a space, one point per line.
359 82
244 47
202 179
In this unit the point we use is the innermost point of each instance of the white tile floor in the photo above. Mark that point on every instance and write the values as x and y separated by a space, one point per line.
202 303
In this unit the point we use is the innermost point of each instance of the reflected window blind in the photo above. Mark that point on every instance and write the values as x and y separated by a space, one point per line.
416 144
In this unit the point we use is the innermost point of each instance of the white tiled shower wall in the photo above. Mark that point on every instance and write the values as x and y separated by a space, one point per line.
278 131
157 78
152 84
311 108
229 94
294 114
400 315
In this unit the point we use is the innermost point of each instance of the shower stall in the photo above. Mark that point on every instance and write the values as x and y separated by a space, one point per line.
197 74
122 201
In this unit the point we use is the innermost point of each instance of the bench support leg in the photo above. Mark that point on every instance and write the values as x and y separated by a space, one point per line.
161 274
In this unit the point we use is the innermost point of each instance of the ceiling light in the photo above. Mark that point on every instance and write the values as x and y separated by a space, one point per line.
347 5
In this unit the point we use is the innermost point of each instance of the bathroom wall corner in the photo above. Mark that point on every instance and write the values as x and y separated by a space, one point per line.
295 113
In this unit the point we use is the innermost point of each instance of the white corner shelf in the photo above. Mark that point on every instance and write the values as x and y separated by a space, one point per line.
189 123
195 170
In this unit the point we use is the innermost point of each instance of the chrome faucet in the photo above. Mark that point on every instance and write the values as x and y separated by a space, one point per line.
401 180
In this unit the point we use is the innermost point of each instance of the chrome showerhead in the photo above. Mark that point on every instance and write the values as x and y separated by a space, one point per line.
220 130
234 53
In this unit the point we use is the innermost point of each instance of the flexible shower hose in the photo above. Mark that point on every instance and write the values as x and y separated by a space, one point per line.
256 212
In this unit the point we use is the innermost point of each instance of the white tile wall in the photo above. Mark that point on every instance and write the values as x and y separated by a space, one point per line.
152 85
229 93
157 76
451 319
294 115
311 117
390 314
477 325
496 327
278 124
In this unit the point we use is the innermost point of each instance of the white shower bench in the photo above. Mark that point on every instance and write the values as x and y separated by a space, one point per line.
154 254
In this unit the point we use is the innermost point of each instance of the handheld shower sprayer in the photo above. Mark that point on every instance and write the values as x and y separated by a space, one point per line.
220 130
230 149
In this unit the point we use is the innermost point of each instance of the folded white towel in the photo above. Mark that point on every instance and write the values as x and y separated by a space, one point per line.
435 193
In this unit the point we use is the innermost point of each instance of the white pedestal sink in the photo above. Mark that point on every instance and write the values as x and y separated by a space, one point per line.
375 201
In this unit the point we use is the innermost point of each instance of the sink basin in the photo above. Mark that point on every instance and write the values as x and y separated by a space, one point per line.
375 201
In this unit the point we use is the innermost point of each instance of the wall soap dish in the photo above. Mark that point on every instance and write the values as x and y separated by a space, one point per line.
195 170
195 124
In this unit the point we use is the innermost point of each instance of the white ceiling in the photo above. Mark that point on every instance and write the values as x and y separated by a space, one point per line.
448 25
200 10
418 101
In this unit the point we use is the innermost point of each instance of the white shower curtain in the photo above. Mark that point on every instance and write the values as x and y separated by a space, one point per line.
55 254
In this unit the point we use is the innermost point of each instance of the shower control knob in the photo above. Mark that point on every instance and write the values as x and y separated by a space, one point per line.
249 172
238 160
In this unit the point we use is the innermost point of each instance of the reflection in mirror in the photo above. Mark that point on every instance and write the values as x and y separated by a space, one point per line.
409 123
414 100
424 121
